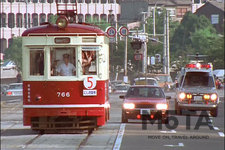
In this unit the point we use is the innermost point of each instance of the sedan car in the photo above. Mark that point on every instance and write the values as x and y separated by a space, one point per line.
121 88
145 81
145 100
15 89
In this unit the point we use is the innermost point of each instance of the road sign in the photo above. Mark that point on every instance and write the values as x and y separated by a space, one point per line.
110 31
123 31
138 56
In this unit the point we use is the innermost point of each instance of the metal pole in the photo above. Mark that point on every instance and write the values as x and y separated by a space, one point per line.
164 47
125 55
167 43
144 64
154 22
116 34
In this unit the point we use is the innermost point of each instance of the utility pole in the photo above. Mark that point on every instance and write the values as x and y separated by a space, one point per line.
144 62
167 44
164 47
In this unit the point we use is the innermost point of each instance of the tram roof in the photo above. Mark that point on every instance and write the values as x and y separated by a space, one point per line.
71 29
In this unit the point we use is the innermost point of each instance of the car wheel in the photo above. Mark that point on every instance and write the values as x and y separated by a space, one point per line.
124 118
214 112
177 108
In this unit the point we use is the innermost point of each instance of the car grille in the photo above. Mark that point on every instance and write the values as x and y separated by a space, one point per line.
144 106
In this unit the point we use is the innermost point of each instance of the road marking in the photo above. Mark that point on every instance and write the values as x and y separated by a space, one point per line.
179 145
171 131
119 137
216 128
221 134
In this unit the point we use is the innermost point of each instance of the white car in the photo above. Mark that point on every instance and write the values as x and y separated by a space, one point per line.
15 89
219 73
121 88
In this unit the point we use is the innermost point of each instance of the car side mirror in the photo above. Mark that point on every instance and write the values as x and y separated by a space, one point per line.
168 97
121 96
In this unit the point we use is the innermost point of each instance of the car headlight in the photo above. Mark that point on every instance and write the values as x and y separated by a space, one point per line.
128 106
213 97
206 96
161 106
182 96
189 96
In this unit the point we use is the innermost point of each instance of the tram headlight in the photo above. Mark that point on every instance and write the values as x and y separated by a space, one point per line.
128 106
62 22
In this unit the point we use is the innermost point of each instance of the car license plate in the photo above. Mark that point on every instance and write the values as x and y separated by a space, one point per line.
145 112
198 98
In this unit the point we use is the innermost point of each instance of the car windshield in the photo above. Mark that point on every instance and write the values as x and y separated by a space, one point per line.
16 86
198 79
122 87
146 92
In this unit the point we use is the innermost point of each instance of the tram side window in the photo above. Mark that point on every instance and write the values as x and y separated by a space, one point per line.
37 62
63 62
89 63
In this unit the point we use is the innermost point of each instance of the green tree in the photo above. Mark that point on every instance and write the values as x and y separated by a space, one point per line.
196 34
191 23
14 52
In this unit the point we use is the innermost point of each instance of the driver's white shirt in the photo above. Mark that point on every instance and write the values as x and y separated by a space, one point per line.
66 70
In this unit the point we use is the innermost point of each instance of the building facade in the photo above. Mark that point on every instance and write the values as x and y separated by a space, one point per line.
18 15
214 11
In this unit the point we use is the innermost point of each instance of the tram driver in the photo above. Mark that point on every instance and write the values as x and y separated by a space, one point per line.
66 68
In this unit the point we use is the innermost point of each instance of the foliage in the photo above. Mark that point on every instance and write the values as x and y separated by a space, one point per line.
52 19
14 52
196 34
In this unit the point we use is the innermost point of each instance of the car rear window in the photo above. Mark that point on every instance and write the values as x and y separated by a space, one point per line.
147 92
19 86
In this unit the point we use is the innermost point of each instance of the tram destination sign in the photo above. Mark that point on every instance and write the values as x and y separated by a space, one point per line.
62 40
89 92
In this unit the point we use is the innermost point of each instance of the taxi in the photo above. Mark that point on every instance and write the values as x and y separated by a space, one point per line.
145 100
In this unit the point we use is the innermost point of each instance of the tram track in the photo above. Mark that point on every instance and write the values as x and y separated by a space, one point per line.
31 141
84 141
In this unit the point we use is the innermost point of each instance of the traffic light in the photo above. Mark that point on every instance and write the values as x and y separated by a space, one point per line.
136 44
158 58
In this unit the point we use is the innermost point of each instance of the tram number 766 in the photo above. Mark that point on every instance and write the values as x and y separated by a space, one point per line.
63 94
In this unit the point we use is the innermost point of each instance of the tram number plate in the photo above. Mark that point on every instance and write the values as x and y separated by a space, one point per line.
198 98
89 92
145 112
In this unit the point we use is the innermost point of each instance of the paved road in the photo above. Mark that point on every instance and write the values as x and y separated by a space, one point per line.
114 135
180 137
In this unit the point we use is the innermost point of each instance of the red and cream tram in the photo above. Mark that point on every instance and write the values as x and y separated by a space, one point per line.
65 76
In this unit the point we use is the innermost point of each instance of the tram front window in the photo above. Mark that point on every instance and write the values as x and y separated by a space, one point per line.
63 62
37 62
89 62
